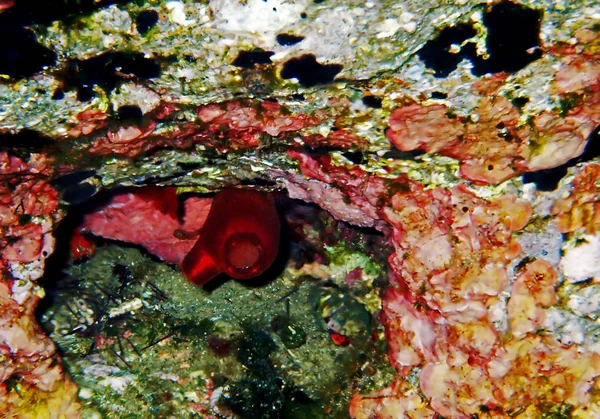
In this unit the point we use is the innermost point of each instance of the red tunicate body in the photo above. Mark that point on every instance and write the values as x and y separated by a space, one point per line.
240 237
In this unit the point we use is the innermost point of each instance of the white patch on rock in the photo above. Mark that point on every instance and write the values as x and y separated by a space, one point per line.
566 327
498 314
177 15
135 94
118 384
255 16
582 261
387 28
585 301
21 290
27 271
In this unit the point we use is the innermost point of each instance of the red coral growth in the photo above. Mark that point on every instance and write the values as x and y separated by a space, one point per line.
268 117
489 84
428 127
581 209
81 246
348 194
577 73
147 217
449 264
410 329
7 4
442 236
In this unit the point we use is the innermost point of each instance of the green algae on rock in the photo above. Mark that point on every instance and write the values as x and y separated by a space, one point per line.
136 332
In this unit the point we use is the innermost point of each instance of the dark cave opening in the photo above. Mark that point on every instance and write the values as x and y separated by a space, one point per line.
100 300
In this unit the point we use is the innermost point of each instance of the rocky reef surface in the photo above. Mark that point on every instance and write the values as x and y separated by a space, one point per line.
434 166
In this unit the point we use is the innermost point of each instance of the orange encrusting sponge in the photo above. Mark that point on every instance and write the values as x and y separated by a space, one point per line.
239 238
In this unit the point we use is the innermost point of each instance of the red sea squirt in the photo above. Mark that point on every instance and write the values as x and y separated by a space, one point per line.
240 237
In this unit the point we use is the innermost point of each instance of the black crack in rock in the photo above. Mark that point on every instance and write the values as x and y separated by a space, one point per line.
439 95
130 113
436 53
548 179
146 20
72 178
520 101
79 193
26 139
308 71
248 59
372 101
21 55
513 38
396 154
107 71
76 187
286 39
355 157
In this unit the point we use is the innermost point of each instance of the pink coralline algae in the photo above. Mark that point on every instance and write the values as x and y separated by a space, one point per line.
148 217
492 144
442 313
247 121
348 194
493 147
338 138
581 209
28 203
128 140
226 126
28 214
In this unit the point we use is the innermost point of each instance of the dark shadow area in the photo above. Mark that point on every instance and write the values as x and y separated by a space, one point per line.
396 154
21 56
372 101
294 246
60 258
107 71
286 39
513 38
248 59
146 21
308 71
512 42
436 52
26 139
130 114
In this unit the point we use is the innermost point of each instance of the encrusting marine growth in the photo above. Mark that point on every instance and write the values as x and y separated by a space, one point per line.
240 237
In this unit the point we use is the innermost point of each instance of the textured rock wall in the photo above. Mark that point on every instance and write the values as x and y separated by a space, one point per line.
465 131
